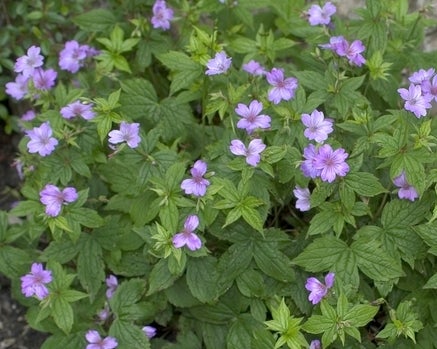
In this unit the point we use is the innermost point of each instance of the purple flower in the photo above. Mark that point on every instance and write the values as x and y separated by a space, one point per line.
315 344
29 115
162 15
421 76
53 198
250 118
254 68
252 152
317 289
34 282
283 88
44 79
78 108
303 198
187 236
96 342
415 101
318 15
112 284
406 191
18 88
41 140
308 169
318 128
27 63
331 163
72 55
429 88
150 331
219 64
196 185
128 133
104 314
352 52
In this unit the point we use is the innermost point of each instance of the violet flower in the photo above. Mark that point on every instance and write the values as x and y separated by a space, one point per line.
252 152
44 80
78 108
318 128
128 133
303 198
112 284
53 198
197 184
149 331
34 282
352 51
421 76
72 55
317 289
219 64
29 115
254 68
308 165
331 163
104 314
97 342
315 344
187 236
162 15
28 63
318 15
41 140
283 88
18 88
250 118
406 191
429 89
415 101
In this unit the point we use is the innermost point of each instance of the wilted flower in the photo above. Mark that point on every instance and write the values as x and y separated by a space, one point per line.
318 15
150 331
128 133
162 15
197 184
187 236
303 198
406 191
317 289
26 64
53 198
250 118
252 152
41 140
283 88
34 282
318 128
78 108
219 64
97 342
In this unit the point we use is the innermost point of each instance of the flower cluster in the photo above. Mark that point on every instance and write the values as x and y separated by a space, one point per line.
421 92
352 51
33 284
317 289
53 198
73 55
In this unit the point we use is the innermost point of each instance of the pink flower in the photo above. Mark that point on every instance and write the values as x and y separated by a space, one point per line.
250 118
41 140
283 88
34 282
53 198
252 152
219 64
197 184
187 236
96 342
317 289
27 63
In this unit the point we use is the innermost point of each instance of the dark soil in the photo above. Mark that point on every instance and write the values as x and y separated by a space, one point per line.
14 331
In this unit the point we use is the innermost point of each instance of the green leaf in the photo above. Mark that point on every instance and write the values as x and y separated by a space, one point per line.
127 293
202 278
128 335
252 217
364 183
160 277
86 217
139 99
361 314
62 313
12 261
432 282
272 261
96 20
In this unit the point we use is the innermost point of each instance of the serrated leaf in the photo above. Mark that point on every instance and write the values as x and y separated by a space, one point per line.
432 282
62 313
361 314
364 183
202 278
273 262
95 20
127 293
129 336
160 277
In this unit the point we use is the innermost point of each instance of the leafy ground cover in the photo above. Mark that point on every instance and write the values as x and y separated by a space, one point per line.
223 174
